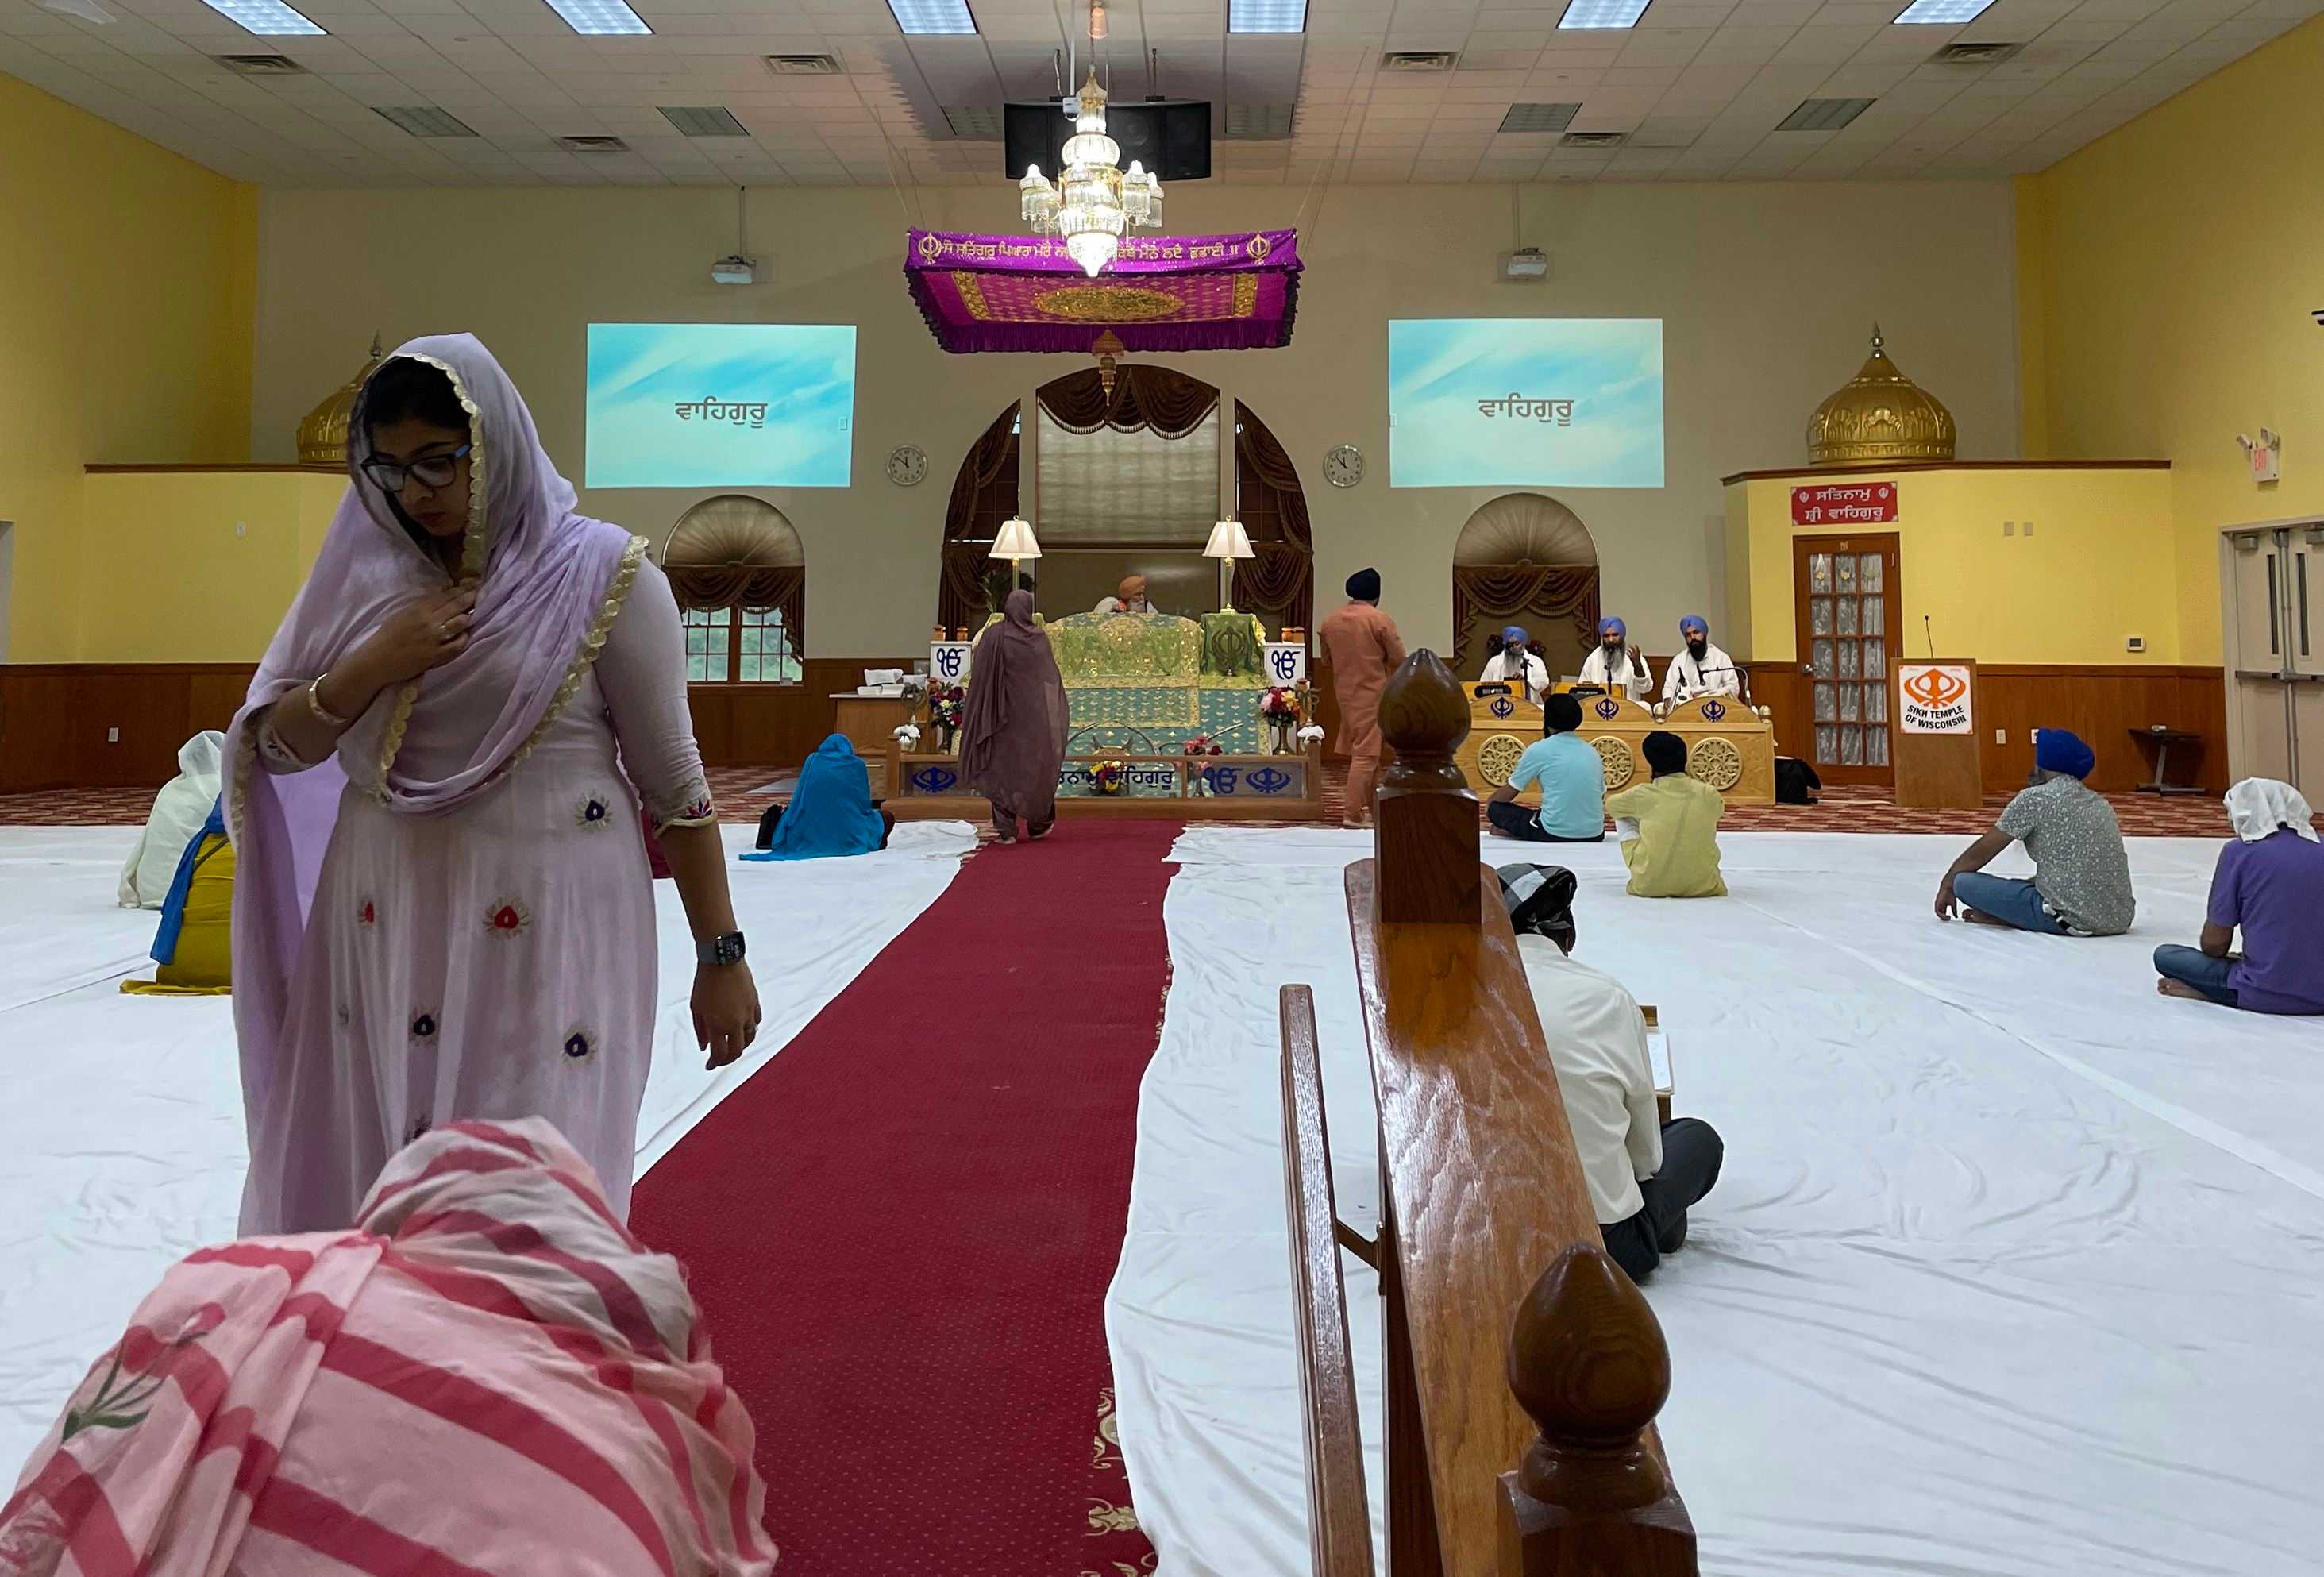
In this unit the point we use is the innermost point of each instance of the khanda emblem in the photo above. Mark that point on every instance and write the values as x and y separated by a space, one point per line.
1609 708
1271 779
1713 711
935 780
1503 706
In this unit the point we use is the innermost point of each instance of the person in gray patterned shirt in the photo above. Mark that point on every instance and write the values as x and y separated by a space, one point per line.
2081 872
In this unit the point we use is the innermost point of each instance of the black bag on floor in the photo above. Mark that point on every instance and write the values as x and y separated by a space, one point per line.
1796 782
768 818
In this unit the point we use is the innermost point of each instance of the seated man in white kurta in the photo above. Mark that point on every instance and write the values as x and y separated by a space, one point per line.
1511 658
1699 669
1618 662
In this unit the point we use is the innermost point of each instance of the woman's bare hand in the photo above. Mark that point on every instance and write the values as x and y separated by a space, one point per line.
426 632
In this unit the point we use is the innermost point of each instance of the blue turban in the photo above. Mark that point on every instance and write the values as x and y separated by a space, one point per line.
1515 635
1693 621
1616 625
2061 750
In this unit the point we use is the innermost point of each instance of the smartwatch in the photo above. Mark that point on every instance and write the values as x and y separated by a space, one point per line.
726 949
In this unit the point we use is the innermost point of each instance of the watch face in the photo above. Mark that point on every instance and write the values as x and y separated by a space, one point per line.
1345 465
907 465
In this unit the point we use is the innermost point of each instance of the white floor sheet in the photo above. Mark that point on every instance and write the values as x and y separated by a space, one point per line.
2015 1270
120 1136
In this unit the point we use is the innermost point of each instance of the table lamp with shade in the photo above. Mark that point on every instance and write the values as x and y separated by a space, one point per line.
1016 543
1229 541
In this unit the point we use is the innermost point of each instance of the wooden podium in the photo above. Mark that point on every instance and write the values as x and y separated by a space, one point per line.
1938 763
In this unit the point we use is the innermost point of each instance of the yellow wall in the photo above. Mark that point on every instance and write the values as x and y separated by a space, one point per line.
2096 570
127 281
2179 259
198 565
1758 327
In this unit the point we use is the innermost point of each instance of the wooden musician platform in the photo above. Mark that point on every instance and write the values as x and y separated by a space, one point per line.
1523 1370
1729 745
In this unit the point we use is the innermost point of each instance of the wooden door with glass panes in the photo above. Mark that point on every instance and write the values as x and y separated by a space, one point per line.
1845 596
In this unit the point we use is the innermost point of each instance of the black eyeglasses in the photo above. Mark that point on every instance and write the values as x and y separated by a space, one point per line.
435 471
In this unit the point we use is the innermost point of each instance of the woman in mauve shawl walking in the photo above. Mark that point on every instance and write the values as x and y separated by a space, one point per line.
1013 735
442 909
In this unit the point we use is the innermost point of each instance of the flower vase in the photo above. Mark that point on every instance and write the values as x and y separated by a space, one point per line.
944 739
1279 739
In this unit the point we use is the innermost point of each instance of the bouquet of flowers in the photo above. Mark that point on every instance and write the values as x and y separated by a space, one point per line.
947 706
1279 701
908 736
1107 775
1201 745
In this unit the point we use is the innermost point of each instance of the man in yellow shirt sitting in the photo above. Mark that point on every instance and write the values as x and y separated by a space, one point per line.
1669 828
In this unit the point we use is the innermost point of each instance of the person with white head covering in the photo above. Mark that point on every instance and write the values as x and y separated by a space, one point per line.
1618 662
1699 669
1513 658
2270 882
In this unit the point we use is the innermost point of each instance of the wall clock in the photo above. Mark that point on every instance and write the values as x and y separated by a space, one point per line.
907 464
1345 465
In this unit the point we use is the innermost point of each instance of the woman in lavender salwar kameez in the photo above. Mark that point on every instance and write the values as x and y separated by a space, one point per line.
442 909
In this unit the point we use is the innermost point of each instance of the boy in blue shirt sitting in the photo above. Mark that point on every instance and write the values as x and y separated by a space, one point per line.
1572 784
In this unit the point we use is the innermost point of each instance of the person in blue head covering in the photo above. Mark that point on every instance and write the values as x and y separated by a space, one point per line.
1616 661
2081 885
1513 658
1699 669
831 812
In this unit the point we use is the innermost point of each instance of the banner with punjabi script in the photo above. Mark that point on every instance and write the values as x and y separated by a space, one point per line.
1845 503
1524 401
720 404
1160 293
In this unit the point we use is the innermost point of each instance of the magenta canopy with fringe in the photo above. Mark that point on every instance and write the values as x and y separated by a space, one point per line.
1160 293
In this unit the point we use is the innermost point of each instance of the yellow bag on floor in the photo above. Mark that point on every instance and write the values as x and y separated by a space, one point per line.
203 962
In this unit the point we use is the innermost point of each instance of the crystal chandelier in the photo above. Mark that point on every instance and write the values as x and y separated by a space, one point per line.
1093 201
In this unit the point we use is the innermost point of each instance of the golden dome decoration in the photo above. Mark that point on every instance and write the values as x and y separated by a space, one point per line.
323 435
1880 414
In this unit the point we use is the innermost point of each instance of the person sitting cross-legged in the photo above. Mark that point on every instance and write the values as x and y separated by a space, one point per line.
1643 1174
1573 781
2081 885
2270 882
1669 826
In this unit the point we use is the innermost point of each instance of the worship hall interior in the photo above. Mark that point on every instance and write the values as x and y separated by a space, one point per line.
1161 787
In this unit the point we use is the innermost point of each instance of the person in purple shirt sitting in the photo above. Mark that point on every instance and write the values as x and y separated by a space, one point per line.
2271 882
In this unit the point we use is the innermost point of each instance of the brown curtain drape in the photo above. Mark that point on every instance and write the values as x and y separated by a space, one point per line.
1169 401
983 495
1545 591
748 586
1279 583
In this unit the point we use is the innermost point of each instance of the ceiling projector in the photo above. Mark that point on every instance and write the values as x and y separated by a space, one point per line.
736 269
1527 262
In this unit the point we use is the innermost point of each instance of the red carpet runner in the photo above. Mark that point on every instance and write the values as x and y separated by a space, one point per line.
901 1229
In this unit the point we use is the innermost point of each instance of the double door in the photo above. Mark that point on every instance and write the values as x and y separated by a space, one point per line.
2273 581
1845 603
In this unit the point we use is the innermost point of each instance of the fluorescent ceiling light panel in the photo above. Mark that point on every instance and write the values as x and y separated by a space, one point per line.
1603 14
1943 13
600 18
270 17
424 120
705 120
1267 15
932 16
1823 114
1539 118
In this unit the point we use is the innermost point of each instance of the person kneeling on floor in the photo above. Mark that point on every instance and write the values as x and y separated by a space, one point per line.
2270 880
1643 1174
1573 779
1669 828
2081 885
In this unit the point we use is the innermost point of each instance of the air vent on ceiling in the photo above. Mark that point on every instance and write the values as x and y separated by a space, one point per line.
1258 123
1981 53
1823 114
1419 59
592 145
975 122
703 120
803 65
424 120
261 65
1539 118
1592 139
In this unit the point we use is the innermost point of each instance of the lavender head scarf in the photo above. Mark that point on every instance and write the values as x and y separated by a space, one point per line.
550 583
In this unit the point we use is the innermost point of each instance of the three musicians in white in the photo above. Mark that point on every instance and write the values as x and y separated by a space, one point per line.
1699 669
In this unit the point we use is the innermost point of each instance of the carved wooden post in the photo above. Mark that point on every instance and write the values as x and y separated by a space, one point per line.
1588 1364
1424 818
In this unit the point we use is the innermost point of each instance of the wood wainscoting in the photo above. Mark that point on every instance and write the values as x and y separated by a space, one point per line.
2101 703
54 718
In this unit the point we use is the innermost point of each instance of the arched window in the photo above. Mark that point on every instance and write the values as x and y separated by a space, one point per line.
740 576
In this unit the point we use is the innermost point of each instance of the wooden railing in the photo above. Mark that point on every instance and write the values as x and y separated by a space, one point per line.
1522 1370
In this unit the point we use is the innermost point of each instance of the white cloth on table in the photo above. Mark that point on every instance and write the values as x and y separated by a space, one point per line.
1504 666
1713 673
1598 1044
1636 677
179 809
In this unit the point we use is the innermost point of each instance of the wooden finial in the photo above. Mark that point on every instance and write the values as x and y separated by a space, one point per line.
1424 818
1588 1364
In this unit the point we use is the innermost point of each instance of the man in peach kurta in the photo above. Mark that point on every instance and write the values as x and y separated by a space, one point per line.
1364 649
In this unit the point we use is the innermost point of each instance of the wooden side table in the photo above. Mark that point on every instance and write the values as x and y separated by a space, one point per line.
2163 739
